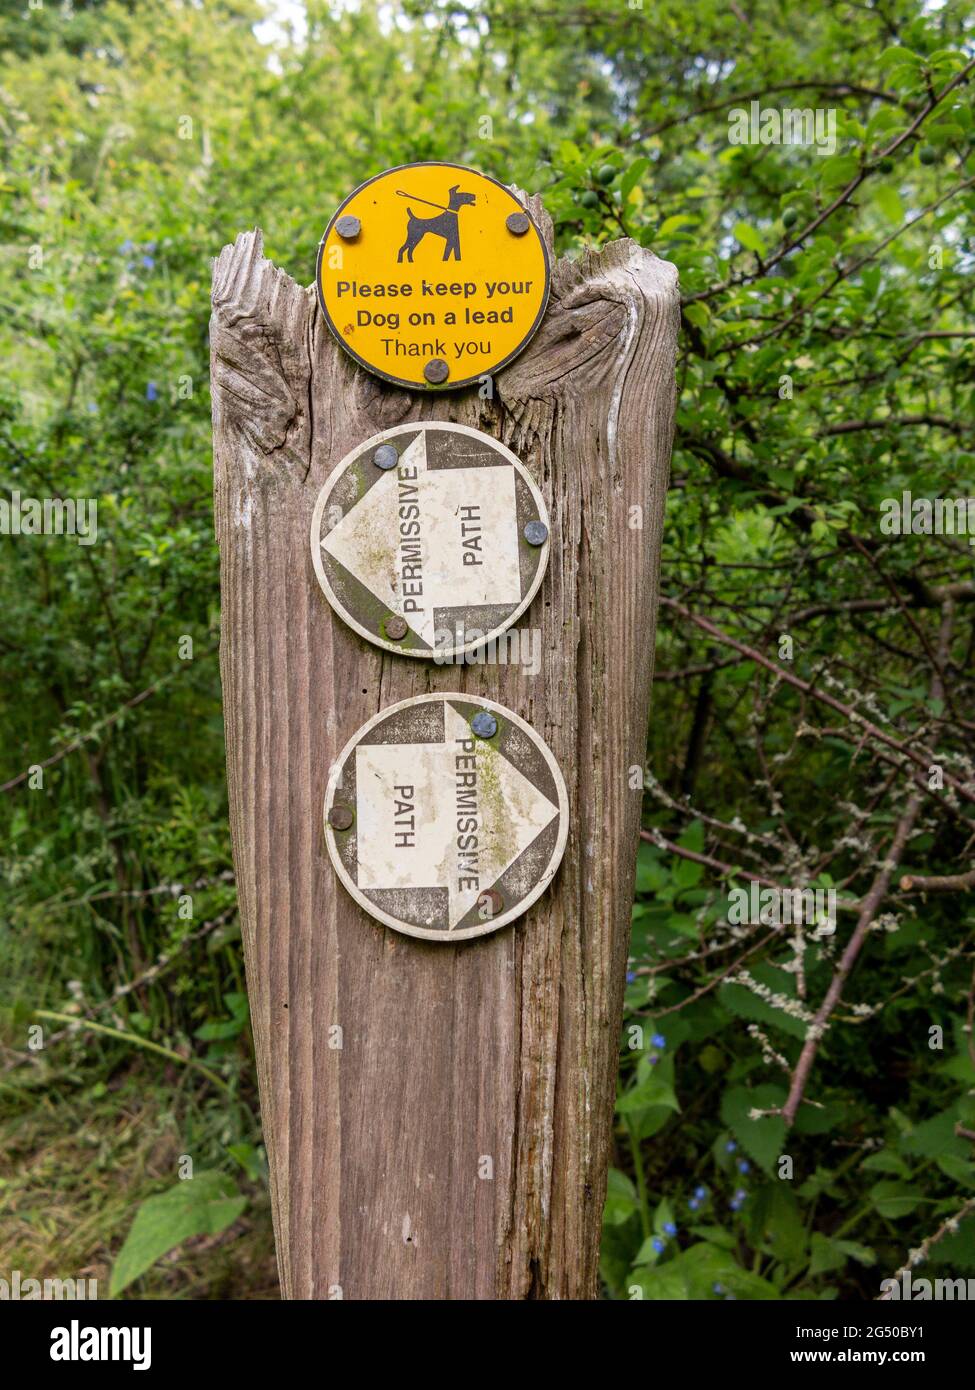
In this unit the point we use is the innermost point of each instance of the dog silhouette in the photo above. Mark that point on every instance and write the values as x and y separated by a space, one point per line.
445 225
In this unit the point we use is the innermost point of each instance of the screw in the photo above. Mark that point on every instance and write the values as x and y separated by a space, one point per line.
340 817
517 223
348 227
436 371
484 724
490 903
386 456
535 533
395 628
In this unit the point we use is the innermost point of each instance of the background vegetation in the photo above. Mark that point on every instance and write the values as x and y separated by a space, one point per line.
827 364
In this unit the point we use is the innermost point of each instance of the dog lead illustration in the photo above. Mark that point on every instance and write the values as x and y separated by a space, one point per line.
445 225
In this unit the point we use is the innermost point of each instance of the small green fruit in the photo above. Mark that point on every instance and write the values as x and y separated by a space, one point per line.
927 154
790 217
886 166
607 173
589 199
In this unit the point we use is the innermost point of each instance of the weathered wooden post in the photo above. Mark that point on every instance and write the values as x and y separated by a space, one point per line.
437 1114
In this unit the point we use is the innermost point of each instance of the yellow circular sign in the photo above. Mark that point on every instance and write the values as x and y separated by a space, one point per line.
432 275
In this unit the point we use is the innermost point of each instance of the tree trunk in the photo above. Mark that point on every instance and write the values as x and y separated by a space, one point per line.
503 1048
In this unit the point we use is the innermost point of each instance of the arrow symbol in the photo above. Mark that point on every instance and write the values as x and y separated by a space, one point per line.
424 540
453 815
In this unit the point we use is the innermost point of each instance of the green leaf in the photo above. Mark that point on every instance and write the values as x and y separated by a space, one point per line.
897 56
936 1137
654 1089
747 1004
704 1265
833 1254
204 1205
894 1199
748 237
889 202
960 1170
885 1161
632 177
761 1139
775 1222
957 1248
659 1283
621 1199
674 224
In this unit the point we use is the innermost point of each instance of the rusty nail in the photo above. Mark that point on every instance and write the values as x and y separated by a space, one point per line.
395 628
536 533
386 456
490 903
517 223
348 227
340 817
436 371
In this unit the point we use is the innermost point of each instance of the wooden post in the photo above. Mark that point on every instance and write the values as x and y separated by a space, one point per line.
455 1145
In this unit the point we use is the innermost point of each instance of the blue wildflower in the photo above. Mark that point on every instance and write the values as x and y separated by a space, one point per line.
653 1059
630 976
730 1147
148 262
670 1228
700 1193
126 247
658 1244
744 1166
718 1288
659 1040
152 391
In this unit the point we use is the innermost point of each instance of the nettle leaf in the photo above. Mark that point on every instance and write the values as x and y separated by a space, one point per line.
687 874
761 1139
201 1206
936 1137
833 1254
775 1221
693 838
894 1199
957 1248
820 1119
747 1004
960 1170
886 1162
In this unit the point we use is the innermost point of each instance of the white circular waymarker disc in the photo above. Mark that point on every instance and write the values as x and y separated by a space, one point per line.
430 539
438 831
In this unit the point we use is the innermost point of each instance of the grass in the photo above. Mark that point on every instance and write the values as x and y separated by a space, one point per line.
80 1155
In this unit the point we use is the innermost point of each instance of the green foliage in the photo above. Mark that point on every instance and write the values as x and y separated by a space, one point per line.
204 1205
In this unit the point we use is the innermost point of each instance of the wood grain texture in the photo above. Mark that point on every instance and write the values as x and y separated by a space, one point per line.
505 1046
